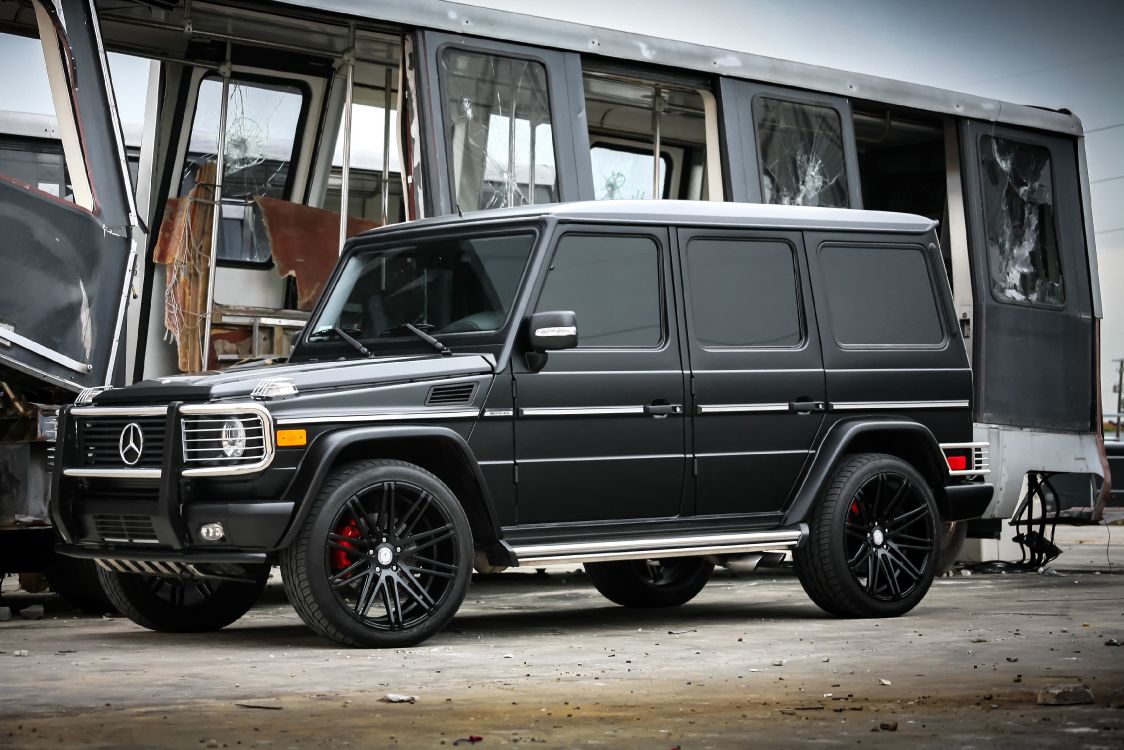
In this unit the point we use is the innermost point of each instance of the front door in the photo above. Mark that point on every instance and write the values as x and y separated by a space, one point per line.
600 432
756 365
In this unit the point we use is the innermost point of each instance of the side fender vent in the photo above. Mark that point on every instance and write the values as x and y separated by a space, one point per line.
448 395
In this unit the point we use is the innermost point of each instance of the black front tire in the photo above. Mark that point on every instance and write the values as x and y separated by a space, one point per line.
173 605
76 582
383 559
651 583
872 548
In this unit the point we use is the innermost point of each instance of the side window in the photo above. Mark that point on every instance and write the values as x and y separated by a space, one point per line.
1022 245
612 283
800 147
497 121
880 295
623 173
743 293
262 121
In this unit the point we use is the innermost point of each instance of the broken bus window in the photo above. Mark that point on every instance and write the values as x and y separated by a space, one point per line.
1019 226
800 147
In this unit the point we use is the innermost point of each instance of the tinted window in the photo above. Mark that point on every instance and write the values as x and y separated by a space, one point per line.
1018 200
444 285
612 283
743 293
801 152
880 295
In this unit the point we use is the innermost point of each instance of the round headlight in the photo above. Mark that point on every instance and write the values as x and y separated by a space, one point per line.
233 438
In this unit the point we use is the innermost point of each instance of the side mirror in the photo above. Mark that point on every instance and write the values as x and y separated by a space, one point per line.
551 331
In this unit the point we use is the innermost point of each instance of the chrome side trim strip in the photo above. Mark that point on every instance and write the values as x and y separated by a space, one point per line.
499 413
579 459
669 546
742 408
119 411
11 337
114 473
581 411
865 405
751 453
384 417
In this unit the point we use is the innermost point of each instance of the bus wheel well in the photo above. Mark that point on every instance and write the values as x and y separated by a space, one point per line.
446 461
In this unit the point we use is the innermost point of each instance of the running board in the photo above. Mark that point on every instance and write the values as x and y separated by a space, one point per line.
688 545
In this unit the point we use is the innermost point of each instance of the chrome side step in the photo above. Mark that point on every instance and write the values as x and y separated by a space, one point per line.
685 545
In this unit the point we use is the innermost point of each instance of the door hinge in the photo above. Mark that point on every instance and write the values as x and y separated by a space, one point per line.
514 389
515 473
694 467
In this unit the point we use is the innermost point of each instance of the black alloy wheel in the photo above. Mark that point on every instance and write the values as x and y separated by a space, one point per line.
873 544
384 558
668 582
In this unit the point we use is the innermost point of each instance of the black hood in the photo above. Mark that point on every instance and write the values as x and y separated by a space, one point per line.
239 382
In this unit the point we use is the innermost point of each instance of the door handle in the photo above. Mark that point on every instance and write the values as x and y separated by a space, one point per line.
805 407
662 410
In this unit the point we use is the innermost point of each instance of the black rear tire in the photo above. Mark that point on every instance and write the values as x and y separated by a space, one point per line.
872 548
383 559
651 583
172 605
953 534
76 582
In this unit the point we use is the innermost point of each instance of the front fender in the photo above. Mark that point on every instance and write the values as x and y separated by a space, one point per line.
324 451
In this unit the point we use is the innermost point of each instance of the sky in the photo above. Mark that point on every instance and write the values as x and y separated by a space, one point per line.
1041 52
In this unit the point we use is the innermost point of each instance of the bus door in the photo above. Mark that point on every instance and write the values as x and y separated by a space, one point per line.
502 124
1034 352
788 147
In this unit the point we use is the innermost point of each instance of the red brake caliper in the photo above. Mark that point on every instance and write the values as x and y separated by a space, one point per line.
340 558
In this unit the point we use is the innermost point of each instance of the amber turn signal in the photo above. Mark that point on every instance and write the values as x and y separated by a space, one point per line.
291 438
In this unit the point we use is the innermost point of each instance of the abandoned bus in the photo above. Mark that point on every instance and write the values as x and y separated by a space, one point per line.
201 232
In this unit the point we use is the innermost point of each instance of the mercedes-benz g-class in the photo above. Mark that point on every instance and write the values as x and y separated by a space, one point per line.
647 388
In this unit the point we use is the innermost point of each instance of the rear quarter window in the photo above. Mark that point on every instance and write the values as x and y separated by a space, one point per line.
880 295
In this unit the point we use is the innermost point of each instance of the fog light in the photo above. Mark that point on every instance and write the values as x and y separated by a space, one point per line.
211 532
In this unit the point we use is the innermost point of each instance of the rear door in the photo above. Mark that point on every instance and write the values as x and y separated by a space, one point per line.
1034 345
756 368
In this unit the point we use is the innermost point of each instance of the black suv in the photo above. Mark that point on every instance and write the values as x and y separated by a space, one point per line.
648 388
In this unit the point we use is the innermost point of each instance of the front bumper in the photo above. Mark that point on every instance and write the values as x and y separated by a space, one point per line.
154 510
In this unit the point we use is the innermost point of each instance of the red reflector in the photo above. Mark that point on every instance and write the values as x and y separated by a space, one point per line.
957 463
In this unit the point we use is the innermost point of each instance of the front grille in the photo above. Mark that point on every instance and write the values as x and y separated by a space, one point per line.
116 527
215 438
103 491
100 442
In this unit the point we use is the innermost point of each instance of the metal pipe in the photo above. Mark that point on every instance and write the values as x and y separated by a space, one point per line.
656 100
531 166
511 179
216 217
386 147
345 173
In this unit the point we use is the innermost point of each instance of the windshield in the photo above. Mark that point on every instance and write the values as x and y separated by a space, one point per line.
445 285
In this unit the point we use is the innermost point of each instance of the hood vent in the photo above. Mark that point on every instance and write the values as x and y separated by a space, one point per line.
448 395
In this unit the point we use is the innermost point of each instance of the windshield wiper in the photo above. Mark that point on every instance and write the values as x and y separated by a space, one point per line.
421 335
355 343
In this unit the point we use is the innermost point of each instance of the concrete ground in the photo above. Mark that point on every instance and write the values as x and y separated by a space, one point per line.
543 660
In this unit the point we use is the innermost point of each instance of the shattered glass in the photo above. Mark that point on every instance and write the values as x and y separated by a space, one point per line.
801 152
620 173
499 132
261 130
1019 222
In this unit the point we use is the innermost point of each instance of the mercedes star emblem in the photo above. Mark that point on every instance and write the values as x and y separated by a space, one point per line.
131 444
